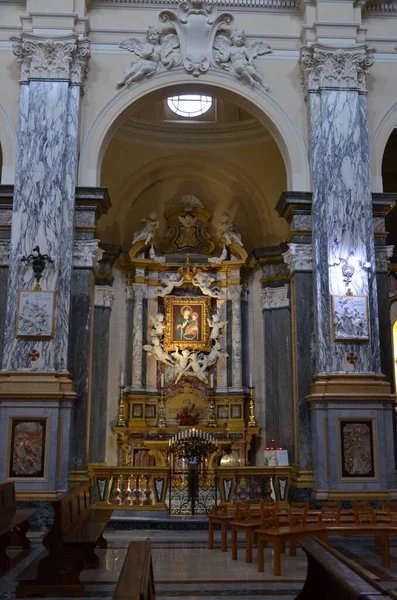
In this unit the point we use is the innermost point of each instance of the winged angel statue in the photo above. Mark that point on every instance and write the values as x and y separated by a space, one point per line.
232 54
159 51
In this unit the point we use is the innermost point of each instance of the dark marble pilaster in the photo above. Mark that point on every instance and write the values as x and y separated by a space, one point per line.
6 195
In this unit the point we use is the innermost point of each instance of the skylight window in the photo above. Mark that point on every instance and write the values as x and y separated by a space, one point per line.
192 105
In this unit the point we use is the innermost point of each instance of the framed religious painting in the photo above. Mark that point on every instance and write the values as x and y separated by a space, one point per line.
28 448
150 411
350 319
358 456
35 314
222 411
236 411
137 411
187 323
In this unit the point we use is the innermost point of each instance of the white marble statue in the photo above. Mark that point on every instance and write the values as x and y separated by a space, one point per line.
189 202
228 231
168 284
159 352
232 53
204 281
153 256
216 325
198 365
215 353
148 232
158 325
181 363
217 260
158 51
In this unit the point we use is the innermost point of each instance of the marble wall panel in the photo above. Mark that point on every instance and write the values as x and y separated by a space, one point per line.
3 305
99 425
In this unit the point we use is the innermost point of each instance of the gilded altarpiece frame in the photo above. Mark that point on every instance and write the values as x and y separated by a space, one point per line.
187 323
358 449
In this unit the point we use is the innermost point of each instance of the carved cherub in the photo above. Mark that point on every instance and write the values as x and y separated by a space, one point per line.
215 353
152 55
160 354
217 260
232 54
204 281
148 232
182 363
198 366
216 325
228 231
158 325
168 284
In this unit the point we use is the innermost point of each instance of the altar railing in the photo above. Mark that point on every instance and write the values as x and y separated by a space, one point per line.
147 488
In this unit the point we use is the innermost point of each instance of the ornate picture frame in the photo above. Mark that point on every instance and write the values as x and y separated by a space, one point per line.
150 411
358 453
187 323
137 410
28 448
222 412
350 318
236 411
35 315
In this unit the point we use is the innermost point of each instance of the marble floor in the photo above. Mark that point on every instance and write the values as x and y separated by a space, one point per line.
184 568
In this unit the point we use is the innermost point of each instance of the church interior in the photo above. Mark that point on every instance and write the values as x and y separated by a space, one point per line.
198 299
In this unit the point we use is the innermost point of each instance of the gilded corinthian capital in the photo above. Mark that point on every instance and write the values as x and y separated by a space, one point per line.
324 67
60 58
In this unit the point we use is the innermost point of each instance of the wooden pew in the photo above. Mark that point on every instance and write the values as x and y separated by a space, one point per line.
14 523
136 578
77 528
330 575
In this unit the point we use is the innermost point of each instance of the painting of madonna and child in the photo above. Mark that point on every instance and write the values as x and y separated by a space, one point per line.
186 323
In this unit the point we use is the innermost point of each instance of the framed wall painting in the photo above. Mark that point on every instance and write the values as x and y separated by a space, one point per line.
137 411
236 411
35 314
150 411
187 323
350 319
28 448
358 454
222 411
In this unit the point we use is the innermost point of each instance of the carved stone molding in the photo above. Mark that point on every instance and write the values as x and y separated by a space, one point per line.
86 254
382 256
104 296
4 253
299 257
63 57
323 67
275 297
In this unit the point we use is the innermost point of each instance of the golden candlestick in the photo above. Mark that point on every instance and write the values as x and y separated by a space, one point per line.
251 415
162 420
211 415
121 419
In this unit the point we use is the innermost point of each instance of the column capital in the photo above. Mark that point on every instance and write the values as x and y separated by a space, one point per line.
275 297
343 68
63 57
86 254
104 296
383 255
299 257
4 253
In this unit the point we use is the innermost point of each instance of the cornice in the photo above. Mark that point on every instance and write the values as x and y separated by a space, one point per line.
182 133
258 4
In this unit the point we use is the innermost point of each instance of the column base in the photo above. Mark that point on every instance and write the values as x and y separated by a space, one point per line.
352 436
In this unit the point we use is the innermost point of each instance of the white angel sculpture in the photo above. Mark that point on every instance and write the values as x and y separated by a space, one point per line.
204 281
150 55
216 325
232 54
148 232
168 284
228 231
158 325
217 260
198 365
182 363
158 351
215 353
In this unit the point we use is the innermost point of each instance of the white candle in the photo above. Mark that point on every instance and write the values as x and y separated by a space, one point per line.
122 379
212 380
162 379
250 383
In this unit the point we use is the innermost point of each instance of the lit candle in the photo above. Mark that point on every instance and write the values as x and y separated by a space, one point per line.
122 379
212 380
250 383
162 379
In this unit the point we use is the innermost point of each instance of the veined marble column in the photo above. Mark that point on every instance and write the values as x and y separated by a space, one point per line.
52 75
234 292
6 194
348 435
139 292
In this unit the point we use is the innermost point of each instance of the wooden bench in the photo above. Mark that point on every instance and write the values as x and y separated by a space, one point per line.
136 580
14 523
77 528
330 575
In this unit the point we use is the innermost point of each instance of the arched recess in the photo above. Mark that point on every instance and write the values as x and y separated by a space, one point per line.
259 103
378 143
8 142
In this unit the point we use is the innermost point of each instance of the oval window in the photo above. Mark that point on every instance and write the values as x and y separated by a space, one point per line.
191 105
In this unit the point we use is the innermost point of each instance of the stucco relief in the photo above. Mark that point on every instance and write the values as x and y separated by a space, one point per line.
86 253
199 40
277 297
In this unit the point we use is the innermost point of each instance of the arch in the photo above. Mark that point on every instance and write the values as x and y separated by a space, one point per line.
8 142
378 143
261 104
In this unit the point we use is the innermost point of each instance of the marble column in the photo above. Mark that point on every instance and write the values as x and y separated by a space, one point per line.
129 333
6 195
344 428
52 75
234 327
139 293
104 296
